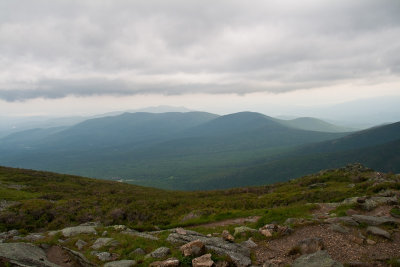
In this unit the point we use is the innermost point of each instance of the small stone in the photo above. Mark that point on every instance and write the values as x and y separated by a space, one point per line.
106 256
138 251
227 236
101 242
209 235
371 242
105 233
72 231
193 249
203 261
161 252
119 227
249 243
181 231
80 244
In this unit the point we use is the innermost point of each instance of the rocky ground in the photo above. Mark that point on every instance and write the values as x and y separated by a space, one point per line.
358 231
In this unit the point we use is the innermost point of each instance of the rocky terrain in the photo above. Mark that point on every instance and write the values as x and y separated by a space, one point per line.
362 230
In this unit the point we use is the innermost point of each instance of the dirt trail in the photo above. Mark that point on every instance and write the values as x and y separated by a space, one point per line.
340 246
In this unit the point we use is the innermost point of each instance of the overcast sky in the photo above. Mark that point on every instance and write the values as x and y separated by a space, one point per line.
71 57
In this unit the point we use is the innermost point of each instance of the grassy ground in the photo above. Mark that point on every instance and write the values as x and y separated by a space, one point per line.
51 201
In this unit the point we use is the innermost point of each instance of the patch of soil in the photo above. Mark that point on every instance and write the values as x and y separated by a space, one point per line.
250 219
57 255
339 246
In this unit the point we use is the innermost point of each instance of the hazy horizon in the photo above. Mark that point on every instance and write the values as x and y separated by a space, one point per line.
279 58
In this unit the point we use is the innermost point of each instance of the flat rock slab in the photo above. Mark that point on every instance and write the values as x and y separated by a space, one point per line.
373 220
101 242
77 230
239 254
140 234
25 254
123 263
378 231
318 259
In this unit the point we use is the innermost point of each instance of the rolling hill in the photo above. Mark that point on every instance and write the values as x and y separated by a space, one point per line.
167 150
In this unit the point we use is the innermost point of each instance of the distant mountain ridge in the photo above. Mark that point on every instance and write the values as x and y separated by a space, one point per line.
191 150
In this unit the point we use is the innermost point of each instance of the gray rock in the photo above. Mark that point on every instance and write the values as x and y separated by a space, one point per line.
373 220
77 230
203 261
34 237
193 249
78 258
171 262
346 220
249 243
239 254
80 244
378 231
310 245
160 253
139 234
105 256
138 251
243 229
122 263
105 233
9 234
101 242
318 259
5 204
338 228
24 254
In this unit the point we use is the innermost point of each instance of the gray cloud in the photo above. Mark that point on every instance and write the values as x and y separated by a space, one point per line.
52 49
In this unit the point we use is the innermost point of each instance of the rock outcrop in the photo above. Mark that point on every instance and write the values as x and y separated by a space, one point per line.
239 254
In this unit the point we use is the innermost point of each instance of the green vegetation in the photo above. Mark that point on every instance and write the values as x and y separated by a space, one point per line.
52 201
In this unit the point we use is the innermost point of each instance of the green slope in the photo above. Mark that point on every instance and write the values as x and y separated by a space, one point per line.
52 201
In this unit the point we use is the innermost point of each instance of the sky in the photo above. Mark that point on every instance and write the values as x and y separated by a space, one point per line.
70 57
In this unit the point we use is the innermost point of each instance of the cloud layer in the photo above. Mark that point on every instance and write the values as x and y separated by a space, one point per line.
53 49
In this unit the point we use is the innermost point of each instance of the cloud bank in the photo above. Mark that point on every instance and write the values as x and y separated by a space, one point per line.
53 49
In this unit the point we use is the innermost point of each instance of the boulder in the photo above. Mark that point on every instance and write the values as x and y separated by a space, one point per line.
239 254
310 245
122 263
203 261
227 236
80 244
318 259
104 241
243 229
160 253
77 230
24 254
373 220
171 262
193 249
378 231
74 258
